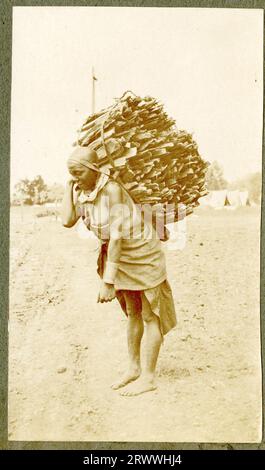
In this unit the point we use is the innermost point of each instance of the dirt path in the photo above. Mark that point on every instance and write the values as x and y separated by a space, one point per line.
65 349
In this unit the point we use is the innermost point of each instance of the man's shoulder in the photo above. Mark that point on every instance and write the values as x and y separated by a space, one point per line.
112 188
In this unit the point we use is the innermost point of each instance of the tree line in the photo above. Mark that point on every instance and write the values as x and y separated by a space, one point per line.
252 183
36 191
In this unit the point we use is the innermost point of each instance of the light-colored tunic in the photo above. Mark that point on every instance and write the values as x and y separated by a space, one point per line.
141 265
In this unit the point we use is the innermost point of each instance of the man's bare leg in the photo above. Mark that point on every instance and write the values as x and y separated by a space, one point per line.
135 329
154 339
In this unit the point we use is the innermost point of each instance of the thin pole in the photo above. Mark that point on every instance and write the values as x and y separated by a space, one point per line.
93 91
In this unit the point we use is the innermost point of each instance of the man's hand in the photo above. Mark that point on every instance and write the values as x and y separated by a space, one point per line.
72 185
106 292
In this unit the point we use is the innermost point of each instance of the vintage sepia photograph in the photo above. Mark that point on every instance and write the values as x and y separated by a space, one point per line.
136 175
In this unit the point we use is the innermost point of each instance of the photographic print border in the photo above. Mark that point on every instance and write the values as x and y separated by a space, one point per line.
6 73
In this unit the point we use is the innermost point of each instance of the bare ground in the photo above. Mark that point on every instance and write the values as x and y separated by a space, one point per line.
65 349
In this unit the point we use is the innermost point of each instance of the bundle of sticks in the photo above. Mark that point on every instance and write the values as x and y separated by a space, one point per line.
155 162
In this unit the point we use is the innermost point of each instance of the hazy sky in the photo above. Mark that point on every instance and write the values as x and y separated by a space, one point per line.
205 65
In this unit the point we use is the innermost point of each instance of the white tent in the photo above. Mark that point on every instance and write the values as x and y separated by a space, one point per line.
218 199
205 200
233 198
244 198
225 198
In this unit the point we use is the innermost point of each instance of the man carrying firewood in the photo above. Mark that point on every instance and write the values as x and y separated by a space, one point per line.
131 263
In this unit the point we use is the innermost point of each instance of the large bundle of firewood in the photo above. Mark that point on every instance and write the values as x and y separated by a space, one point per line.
156 163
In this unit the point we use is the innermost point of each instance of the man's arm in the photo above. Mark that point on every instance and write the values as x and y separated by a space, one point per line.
68 210
114 194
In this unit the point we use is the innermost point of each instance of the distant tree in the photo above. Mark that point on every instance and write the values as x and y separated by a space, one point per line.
215 177
55 192
40 190
31 191
254 186
251 183
23 192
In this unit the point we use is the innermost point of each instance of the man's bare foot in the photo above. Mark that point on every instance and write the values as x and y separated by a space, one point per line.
128 377
142 385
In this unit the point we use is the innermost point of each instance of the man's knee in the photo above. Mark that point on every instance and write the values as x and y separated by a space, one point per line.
133 304
133 312
148 315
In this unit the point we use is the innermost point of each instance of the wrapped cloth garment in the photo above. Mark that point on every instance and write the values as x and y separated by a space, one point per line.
141 267
160 297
